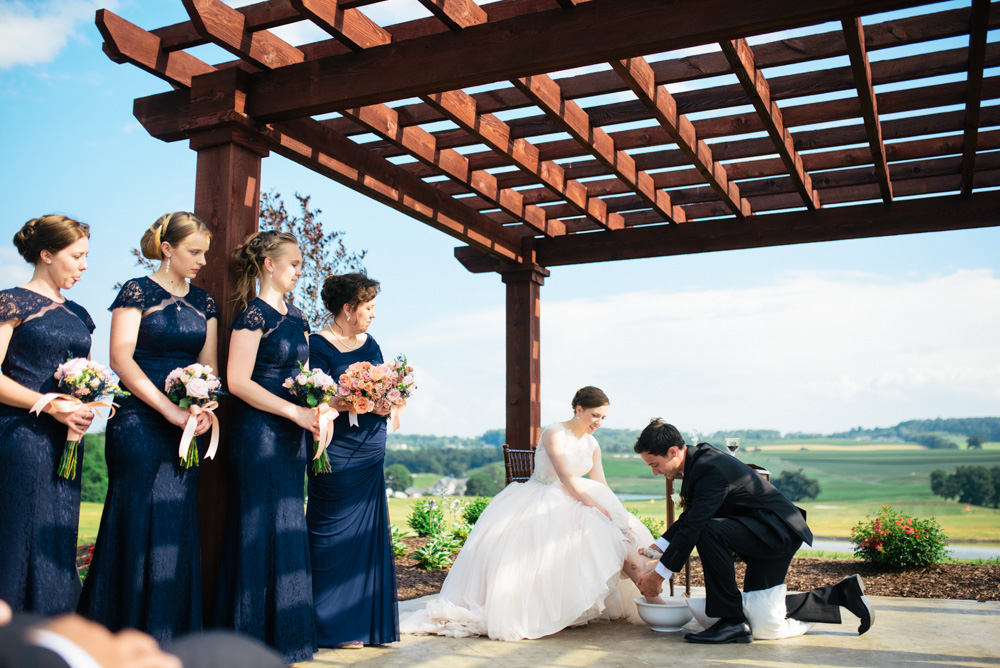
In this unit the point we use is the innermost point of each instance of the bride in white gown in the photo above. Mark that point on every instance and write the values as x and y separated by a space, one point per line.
558 550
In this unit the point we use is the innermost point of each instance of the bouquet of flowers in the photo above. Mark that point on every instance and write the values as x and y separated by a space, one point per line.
196 388
314 388
382 388
84 382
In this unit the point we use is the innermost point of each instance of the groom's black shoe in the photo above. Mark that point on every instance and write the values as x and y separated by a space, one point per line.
721 632
852 597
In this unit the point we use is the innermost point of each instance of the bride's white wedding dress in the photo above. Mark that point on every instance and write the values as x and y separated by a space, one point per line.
538 560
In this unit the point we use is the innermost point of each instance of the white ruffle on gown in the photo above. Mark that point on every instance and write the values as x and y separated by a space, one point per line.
538 560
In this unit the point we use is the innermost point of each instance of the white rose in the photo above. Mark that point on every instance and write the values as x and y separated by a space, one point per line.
197 388
74 366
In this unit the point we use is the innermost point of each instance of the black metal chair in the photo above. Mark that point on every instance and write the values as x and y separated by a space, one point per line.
518 464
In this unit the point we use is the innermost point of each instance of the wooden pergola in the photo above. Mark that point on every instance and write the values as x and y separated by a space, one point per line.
469 121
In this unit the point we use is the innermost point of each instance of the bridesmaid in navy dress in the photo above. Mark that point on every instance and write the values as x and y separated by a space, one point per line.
354 569
39 330
146 569
265 588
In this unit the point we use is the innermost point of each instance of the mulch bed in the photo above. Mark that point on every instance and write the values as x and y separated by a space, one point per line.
975 582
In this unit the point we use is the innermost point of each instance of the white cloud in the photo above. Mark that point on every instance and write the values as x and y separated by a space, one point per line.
34 33
13 269
812 351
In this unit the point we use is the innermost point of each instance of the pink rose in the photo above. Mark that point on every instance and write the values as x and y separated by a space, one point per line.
394 396
288 383
73 367
95 383
378 373
382 406
197 388
362 405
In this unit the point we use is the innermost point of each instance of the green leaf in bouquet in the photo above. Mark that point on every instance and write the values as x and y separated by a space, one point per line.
312 401
185 402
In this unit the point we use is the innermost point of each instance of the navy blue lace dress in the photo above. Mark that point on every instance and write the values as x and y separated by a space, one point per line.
265 587
146 569
39 512
354 569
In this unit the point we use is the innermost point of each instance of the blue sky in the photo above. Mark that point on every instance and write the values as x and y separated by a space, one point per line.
818 337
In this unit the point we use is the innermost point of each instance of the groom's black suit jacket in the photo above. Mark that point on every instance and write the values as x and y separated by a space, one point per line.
718 485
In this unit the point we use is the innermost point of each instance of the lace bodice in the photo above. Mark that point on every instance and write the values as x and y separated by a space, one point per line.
579 456
283 344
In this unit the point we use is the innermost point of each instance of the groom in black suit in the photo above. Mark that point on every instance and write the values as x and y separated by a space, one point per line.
729 508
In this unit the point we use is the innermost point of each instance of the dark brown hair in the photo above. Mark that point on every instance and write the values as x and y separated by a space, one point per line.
590 397
49 233
249 259
172 228
657 438
348 289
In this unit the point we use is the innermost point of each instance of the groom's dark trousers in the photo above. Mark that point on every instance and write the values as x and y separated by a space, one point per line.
731 509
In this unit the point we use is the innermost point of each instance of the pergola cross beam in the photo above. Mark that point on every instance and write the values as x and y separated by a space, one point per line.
977 56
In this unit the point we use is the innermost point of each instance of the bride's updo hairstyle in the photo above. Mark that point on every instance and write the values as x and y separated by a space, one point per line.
49 233
590 397
347 289
250 258
172 228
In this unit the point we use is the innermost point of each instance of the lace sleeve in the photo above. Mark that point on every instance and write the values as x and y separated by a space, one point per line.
211 310
131 295
204 302
9 308
252 317
81 313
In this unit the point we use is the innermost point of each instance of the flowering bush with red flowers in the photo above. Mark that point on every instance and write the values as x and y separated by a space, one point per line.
898 541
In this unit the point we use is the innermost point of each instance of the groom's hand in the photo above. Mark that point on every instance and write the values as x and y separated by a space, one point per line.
650 583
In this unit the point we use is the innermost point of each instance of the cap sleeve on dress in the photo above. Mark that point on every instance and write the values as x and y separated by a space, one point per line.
132 295
204 302
252 317
10 309
81 313
296 312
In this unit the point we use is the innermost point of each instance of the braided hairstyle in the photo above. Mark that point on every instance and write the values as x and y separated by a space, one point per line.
49 233
172 228
249 259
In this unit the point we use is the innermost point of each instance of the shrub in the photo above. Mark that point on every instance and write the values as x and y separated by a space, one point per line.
395 537
460 533
436 554
474 509
655 526
426 518
898 541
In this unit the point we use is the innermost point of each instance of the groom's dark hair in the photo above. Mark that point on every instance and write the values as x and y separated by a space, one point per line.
657 438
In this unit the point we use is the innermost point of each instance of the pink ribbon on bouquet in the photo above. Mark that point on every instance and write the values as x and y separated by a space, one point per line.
192 424
395 413
326 414
65 403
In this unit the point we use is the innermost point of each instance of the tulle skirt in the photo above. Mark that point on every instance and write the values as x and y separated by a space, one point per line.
536 562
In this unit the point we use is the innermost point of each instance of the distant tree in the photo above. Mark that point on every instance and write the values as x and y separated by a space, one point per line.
398 478
975 442
323 253
975 485
995 498
480 484
796 485
498 474
934 441
494 437
939 481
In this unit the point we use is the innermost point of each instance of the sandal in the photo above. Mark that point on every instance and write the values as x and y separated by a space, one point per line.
353 644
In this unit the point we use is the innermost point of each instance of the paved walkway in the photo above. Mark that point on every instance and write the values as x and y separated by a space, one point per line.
924 633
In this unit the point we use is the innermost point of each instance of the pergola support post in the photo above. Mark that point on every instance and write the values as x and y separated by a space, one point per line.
227 198
524 364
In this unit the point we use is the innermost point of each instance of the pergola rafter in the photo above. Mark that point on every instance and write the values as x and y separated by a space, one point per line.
814 152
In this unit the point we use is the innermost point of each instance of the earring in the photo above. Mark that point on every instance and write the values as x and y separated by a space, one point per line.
168 265
348 318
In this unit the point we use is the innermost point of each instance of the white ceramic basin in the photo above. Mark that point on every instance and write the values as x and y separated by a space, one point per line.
669 616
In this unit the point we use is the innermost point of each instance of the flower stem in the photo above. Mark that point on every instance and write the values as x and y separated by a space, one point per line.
67 463
321 465
192 460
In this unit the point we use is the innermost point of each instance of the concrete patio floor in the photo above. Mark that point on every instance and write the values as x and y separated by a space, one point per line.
929 633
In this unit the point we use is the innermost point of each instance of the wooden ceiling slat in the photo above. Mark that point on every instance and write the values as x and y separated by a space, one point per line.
382 120
574 120
126 42
854 35
224 26
350 26
638 75
977 59
494 133
456 14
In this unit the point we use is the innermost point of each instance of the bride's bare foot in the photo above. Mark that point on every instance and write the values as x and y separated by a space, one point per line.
655 599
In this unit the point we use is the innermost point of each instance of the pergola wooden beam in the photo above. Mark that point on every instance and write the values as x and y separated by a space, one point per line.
854 36
741 59
456 14
350 26
126 42
977 58
850 222
638 75
509 48
384 121
546 94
